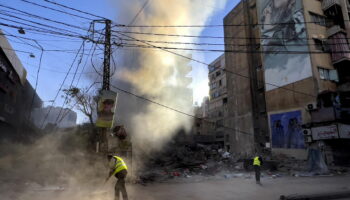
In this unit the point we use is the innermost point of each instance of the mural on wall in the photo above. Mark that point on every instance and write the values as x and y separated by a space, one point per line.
286 131
283 36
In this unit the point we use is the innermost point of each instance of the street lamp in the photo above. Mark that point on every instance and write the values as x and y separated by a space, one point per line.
21 31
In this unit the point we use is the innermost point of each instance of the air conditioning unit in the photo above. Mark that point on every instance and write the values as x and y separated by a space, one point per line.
311 106
307 132
307 138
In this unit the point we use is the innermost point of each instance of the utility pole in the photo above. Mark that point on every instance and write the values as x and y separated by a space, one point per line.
106 78
102 142
107 56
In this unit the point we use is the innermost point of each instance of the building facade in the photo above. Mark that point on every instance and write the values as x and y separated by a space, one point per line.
57 117
218 111
17 96
287 59
247 114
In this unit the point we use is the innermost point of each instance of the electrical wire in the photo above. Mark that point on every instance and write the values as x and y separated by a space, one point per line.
219 25
178 111
71 84
225 44
75 104
206 64
42 18
139 12
207 36
37 79
33 22
46 7
233 51
60 88
77 10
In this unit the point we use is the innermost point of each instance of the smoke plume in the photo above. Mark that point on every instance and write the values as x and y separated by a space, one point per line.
156 74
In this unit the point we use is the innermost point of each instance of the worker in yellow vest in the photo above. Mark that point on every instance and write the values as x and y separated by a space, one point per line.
119 170
257 162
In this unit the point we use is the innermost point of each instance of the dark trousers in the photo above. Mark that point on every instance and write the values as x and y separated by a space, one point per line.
257 173
120 185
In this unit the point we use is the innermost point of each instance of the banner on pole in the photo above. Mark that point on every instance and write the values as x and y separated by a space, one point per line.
106 108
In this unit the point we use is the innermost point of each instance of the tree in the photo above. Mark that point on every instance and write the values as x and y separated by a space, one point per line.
82 100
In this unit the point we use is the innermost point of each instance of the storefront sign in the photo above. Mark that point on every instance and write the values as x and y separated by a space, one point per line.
325 132
344 131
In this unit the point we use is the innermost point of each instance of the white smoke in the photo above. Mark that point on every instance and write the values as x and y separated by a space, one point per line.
160 75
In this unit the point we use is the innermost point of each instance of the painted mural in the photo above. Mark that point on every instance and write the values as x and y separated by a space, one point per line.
283 36
286 131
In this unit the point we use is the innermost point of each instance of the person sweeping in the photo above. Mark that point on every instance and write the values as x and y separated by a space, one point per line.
118 169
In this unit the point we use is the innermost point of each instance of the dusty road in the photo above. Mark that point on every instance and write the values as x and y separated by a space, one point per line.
239 188
186 189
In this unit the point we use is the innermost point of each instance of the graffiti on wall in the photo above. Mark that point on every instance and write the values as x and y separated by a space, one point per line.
286 131
283 35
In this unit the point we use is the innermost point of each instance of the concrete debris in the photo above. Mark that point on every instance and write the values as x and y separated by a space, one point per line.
324 196
186 161
189 161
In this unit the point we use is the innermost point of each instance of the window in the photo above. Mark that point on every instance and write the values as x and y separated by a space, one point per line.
320 44
224 100
3 66
219 114
212 77
318 19
220 82
211 68
218 73
213 86
227 138
11 77
328 74
220 123
216 94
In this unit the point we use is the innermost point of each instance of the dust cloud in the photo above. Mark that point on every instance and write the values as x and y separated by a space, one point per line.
56 166
156 74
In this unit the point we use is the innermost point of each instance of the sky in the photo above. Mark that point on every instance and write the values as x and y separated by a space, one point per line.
55 64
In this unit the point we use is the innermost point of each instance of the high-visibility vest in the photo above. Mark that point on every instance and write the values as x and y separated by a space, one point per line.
119 165
257 161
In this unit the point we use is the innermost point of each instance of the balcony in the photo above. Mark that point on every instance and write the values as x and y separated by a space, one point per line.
326 4
338 44
334 30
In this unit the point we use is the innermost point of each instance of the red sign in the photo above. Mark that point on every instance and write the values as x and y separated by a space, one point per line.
325 132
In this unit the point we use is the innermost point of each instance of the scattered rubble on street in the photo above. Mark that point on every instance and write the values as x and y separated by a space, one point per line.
200 162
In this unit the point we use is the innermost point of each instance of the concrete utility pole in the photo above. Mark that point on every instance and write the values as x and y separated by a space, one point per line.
107 56
102 143
106 78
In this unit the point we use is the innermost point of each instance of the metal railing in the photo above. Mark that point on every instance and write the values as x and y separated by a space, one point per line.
329 3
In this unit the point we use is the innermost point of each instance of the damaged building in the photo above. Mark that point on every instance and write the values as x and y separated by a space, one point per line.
218 101
288 77
17 97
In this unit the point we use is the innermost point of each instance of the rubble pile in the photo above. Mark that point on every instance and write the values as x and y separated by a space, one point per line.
187 161
290 164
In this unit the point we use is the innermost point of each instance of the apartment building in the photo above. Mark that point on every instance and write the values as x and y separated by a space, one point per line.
290 75
17 96
217 111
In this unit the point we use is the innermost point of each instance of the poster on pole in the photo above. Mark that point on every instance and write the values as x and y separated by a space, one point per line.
283 35
106 108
